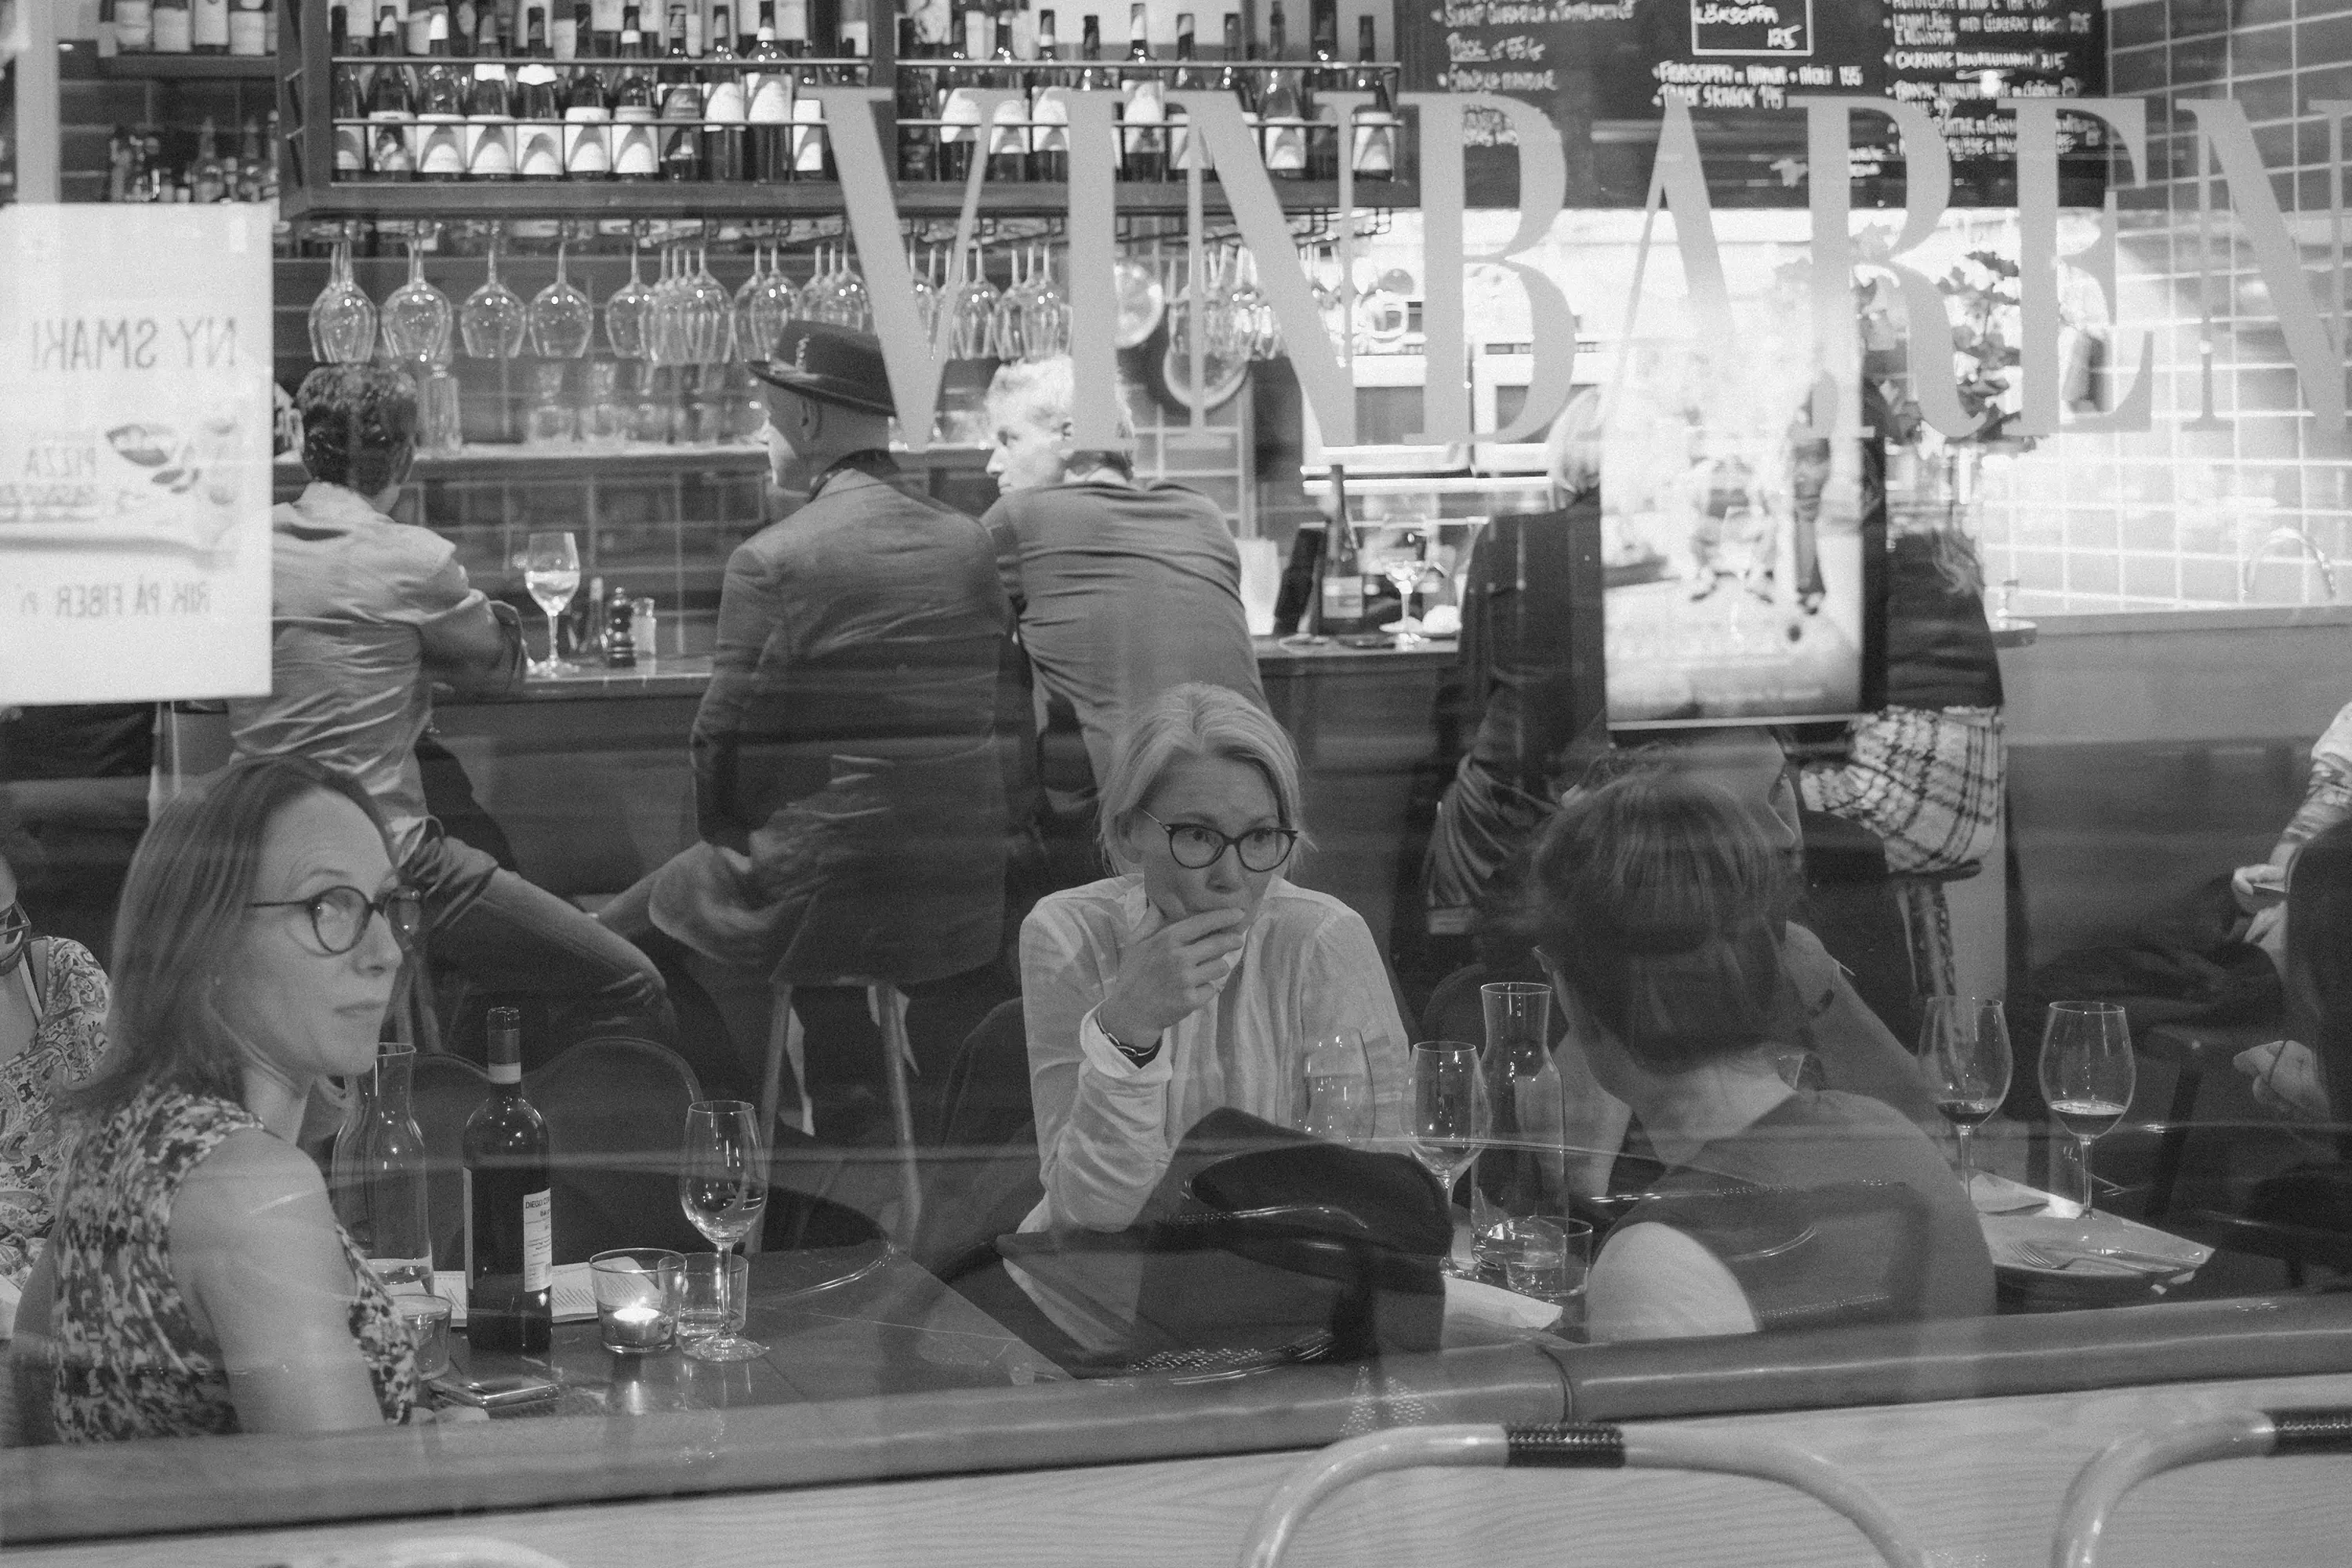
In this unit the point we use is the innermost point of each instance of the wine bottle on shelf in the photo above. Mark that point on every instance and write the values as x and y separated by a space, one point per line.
391 106
537 105
208 27
724 106
587 119
563 31
1283 110
1241 84
489 111
958 112
810 156
250 28
1049 109
172 26
1008 134
1143 111
1329 76
1339 608
510 1208
770 111
351 141
681 102
636 154
206 182
1094 75
440 107
916 93
602 36
1180 122
1376 123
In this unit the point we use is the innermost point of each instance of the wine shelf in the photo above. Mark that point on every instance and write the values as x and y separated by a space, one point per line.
188 68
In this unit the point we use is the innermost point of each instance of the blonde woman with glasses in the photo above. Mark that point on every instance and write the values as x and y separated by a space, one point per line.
1196 978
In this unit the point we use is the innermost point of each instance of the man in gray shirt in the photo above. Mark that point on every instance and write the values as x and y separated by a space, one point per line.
1123 588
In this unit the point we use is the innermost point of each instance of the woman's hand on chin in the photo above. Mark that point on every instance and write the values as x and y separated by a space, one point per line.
1171 975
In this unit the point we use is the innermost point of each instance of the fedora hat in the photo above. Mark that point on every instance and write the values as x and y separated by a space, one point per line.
832 364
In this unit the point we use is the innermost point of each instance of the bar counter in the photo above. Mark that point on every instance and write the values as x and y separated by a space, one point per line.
588 772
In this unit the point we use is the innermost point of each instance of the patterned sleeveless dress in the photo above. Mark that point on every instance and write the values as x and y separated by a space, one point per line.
130 1361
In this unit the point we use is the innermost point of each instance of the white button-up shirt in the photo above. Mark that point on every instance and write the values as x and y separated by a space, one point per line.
1106 1128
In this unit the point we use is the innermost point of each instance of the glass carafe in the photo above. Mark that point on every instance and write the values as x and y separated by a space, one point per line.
378 1174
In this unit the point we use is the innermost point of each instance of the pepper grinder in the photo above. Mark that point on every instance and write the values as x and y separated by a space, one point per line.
620 644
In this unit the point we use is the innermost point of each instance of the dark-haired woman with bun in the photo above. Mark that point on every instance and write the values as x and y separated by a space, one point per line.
1658 907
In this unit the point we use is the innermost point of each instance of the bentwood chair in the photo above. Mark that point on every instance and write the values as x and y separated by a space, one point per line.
2099 1486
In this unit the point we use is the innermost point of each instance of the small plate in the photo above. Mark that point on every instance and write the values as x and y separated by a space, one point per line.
2003 1233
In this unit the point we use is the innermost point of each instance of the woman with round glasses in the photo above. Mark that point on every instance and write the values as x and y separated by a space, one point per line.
52 1033
196 1280
1197 977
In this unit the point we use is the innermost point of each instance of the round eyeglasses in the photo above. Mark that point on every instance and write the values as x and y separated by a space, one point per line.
16 929
1196 847
339 916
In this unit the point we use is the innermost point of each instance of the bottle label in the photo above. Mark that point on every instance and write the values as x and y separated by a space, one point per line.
1145 112
682 100
441 146
605 15
208 24
350 150
1343 598
808 136
633 153
961 116
1375 142
586 150
1052 114
490 149
135 26
566 39
1008 135
171 32
726 100
248 33
537 1241
771 100
1286 144
1180 152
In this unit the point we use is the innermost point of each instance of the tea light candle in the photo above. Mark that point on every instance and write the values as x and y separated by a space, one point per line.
638 1327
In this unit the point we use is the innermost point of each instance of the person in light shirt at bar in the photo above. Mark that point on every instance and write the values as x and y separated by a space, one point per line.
1123 587
1659 910
1198 977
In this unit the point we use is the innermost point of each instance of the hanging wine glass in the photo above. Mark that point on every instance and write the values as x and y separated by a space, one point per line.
662 327
562 319
1006 334
852 306
416 316
1046 322
1142 300
1330 305
749 343
975 312
772 304
1249 317
810 306
1224 365
494 320
710 312
624 311
343 318
926 293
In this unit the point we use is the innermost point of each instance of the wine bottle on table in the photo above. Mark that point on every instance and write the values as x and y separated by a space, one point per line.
1340 604
510 1208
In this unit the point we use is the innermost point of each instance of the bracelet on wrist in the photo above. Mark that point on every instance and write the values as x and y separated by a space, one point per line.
1137 1055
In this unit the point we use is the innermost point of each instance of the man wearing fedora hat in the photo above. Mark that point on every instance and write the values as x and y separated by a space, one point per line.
848 794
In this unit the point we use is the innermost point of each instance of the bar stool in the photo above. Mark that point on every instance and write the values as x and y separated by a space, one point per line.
2130 1459
1590 1447
885 1003
1927 926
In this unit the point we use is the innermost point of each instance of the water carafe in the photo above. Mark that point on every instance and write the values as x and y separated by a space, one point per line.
378 1174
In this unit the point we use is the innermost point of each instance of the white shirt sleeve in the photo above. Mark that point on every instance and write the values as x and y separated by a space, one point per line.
2335 746
1108 1060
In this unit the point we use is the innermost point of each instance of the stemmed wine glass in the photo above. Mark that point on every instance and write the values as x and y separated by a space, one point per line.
2087 1074
926 291
1402 568
343 318
550 570
1451 1119
1964 1052
626 307
769 310
1010 328
1045 320
416 316
562 319
1335 1088
973 300
494 320
708 312
722 1186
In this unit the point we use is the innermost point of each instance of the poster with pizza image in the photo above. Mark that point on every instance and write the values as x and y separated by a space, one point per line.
135 409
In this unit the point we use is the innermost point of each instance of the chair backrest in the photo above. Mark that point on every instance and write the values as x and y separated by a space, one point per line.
615 1111
983 1171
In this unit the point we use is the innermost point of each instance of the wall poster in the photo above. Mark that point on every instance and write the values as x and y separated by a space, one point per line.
135 410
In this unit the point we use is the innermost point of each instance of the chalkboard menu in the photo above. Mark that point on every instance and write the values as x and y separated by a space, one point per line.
1588 61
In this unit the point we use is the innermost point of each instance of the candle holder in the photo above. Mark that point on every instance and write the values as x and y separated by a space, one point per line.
637 1294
